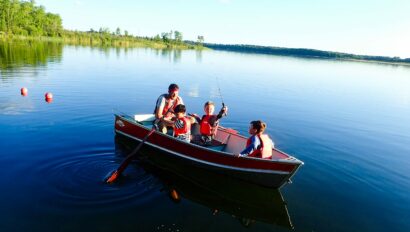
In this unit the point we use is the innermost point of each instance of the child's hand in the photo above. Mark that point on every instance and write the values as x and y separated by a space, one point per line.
224 110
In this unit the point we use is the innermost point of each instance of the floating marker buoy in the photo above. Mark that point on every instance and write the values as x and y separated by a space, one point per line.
48 96
174 195
24 91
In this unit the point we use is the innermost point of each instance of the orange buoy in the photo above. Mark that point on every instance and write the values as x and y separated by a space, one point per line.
49 96
24 91
174 195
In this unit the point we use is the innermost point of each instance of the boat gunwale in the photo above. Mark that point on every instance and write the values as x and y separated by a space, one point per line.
290 160
229 167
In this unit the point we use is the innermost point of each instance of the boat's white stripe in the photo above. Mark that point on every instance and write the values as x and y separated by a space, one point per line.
206 162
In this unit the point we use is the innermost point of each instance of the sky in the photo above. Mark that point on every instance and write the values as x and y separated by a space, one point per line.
366 27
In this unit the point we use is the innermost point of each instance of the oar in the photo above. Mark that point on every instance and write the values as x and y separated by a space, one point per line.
115 174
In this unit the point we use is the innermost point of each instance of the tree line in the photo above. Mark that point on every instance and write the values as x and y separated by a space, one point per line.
25 19
303 52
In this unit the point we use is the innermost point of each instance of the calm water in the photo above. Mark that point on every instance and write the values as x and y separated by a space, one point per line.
348 121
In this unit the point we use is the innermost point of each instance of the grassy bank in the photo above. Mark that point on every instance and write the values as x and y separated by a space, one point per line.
97 39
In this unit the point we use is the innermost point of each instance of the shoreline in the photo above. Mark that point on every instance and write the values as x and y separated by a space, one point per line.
136 42
307 53
93 40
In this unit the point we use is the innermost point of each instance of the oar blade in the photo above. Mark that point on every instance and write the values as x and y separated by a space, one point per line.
113 177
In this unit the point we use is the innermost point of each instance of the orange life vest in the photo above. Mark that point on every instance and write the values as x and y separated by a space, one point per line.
168 104
186 126
264 151
206 127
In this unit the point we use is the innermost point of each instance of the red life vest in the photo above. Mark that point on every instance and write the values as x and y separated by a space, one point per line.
264 151
168 104
206 127
186 126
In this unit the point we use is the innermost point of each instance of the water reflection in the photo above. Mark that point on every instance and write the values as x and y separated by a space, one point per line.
172 55
198 55
248 203
14 55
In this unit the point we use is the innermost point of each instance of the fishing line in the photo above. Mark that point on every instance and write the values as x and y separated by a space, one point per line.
219 90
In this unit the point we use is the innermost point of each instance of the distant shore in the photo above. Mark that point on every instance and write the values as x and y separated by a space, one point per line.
307 53
97 39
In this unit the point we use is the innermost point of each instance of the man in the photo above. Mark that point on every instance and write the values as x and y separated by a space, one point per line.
164 109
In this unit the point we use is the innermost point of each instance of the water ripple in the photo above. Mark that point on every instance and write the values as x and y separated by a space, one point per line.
77 181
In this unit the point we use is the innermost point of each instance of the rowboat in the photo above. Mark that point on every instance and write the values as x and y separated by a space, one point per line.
218 157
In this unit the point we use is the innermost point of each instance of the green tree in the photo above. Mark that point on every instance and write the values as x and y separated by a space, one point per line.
165 36
200 40
178 36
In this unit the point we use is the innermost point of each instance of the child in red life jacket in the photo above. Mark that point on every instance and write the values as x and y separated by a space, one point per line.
259 145
182 124
209 122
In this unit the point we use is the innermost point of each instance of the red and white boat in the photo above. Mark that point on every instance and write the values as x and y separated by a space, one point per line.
219 157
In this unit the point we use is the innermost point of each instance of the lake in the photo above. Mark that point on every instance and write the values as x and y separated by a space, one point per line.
348 121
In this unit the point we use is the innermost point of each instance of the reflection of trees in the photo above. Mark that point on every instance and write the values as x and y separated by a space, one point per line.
172 55
177 55
198 55
28 53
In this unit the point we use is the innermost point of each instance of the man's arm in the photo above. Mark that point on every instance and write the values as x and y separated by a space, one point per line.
180 100
160 107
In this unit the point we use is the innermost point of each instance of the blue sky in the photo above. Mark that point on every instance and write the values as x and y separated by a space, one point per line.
377 27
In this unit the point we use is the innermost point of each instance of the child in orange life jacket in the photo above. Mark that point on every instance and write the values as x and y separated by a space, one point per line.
209 122
259 145
182 124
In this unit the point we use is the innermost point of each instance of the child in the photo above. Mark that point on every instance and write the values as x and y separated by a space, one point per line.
259 145
182 124
209 122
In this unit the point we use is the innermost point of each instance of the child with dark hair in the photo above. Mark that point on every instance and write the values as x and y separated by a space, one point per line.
259 145
182 124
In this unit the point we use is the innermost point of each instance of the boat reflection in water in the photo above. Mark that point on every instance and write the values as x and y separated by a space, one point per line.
249 203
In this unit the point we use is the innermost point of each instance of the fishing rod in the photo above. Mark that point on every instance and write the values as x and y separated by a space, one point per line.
219 90
220 93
